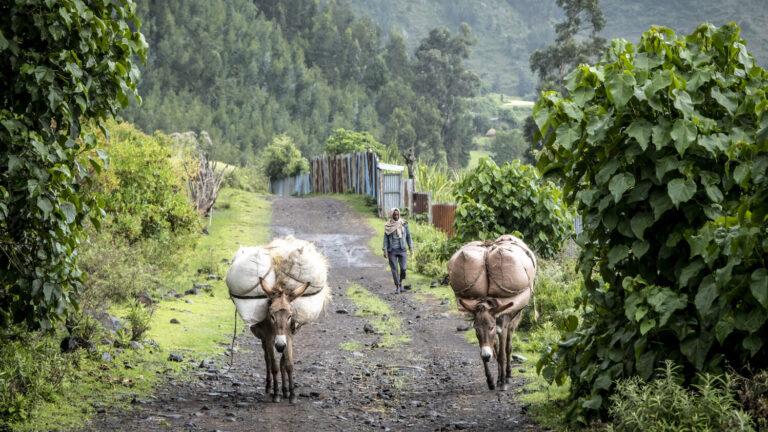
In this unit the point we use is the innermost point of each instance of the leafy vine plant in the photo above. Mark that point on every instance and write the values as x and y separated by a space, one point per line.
662 149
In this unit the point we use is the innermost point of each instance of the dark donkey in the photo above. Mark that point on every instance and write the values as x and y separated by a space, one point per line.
490 321
276 332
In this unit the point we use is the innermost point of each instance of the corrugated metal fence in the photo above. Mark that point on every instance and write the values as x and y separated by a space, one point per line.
298 185
442 217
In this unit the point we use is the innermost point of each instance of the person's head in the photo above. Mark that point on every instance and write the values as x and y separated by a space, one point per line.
395 214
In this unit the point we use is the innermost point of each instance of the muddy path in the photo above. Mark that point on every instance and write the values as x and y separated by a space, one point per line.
434 381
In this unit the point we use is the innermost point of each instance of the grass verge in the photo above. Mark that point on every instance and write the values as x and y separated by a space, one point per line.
379 315
206 324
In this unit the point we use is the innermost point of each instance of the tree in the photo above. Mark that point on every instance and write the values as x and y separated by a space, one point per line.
441 78
343 141
282 159
663 150
61 62
571 47
507 146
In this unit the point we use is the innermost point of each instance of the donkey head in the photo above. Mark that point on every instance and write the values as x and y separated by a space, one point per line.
281 312
484 313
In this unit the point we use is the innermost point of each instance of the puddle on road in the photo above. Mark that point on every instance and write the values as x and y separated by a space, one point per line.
341 250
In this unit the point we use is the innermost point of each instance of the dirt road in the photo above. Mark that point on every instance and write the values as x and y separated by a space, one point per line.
433 382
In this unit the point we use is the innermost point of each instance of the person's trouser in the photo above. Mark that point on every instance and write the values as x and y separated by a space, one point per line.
395 257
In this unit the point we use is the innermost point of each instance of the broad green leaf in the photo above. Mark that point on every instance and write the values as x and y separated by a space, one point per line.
706 294
723 328
617 253
753 343
758 285
646 325
690 271
640 222
741 173
594 403
603 381
640 247
581 95
644 364
620 87
696 347
661 135
69 211
640 130
728 99
660 203
659 80
665 165
44 204
571 110
683 102
607 171
566 135
714 193
681 190
619 184
684 134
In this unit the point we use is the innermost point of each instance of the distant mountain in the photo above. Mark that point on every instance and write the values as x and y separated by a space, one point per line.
509 30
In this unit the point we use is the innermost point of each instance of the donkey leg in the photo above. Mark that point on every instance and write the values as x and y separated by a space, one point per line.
289 369
268 363
512 327
275 368
488 376
501 359
284 374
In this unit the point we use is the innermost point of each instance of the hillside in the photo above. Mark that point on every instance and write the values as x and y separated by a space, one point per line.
507 31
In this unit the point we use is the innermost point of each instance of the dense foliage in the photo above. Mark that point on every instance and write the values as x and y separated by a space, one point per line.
493 200
662 150
282 159
60 62
664 405
248 71
143 189
343 141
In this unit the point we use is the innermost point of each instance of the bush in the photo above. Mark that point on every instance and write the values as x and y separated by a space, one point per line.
282 159
662 148
752 393
557 287
143 188
343 141
492 201
664 405
430 249
138 319
32 369
249 179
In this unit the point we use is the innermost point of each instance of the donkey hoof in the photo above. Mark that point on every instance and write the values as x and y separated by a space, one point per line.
292 400
491 385
275 398
503 387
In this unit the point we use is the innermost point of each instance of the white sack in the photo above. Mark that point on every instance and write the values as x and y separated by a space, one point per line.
248 265
297 261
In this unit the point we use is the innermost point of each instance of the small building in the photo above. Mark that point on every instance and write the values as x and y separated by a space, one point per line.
491 133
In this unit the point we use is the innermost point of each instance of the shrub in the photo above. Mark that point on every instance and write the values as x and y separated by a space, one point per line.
248 178
437 180
32 369
557 287
752 393
343 141
662 149
664 405
430 249
282 159
492 201
138 319
143 188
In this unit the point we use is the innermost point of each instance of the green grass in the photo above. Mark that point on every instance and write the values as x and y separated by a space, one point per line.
379 314
475 156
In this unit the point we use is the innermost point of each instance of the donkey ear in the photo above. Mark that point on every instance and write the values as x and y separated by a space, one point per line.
501 308
466 305
265 286
298 291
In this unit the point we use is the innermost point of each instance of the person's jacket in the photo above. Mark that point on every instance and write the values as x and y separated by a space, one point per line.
390 239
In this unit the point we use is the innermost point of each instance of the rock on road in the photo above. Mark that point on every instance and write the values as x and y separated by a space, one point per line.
433 382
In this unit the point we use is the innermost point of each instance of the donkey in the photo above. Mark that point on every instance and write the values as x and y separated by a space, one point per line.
490 321
277 331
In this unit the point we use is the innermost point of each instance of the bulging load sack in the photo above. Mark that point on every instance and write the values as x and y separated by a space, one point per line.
288 263
466 270
297 261
504 269
511 267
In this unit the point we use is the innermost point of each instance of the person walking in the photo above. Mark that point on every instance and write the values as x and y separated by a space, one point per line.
396 237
